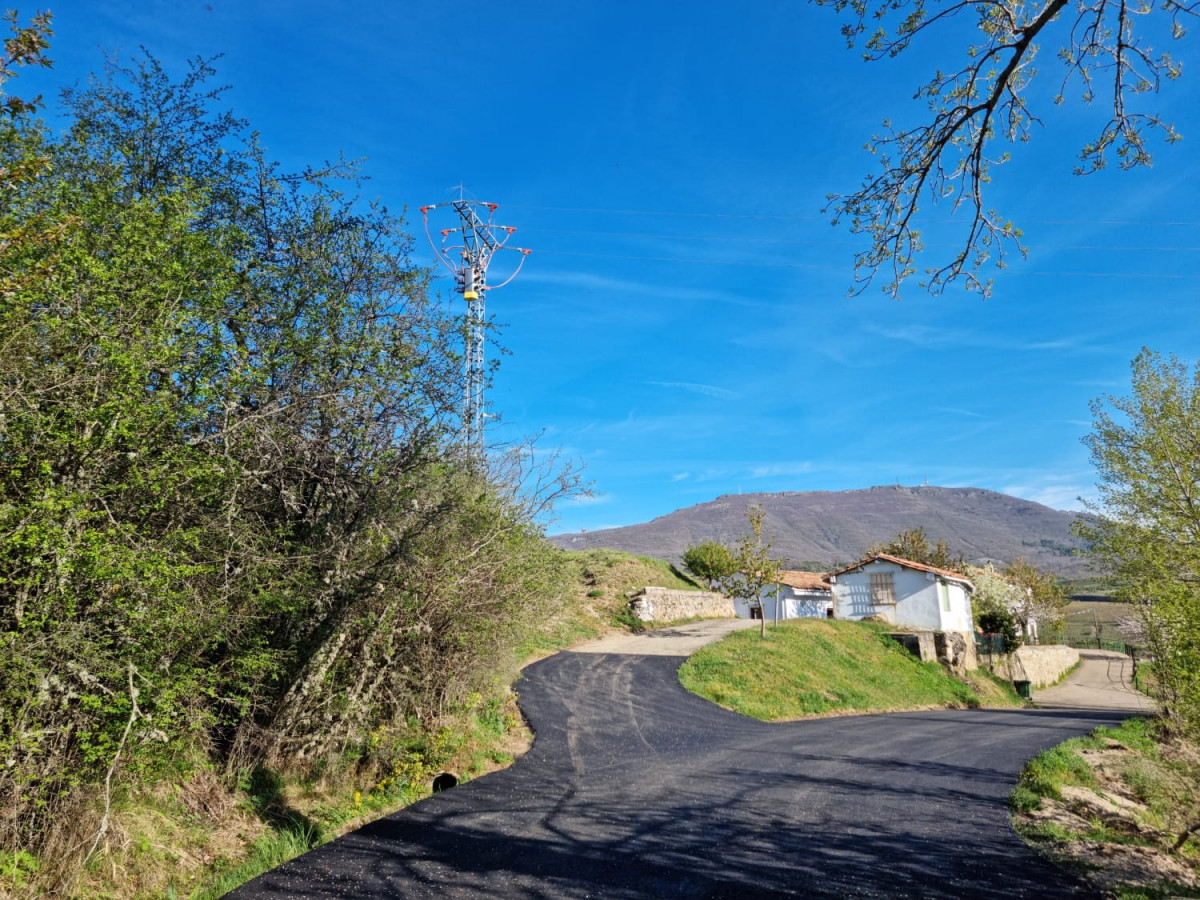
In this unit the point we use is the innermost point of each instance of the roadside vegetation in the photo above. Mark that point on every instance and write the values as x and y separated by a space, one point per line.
252 588
1120 805
811 667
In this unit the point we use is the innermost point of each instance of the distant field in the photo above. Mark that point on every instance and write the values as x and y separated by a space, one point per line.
1091 587
1086 616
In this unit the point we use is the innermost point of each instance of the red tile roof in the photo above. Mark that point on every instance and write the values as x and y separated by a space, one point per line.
804 581
908 564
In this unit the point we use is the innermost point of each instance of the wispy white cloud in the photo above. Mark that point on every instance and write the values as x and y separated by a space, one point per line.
589 282
1067 492
953 411
775 470
707 390
932 337
681 476
590 499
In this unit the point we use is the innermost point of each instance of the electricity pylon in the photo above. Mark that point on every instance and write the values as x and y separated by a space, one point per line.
466 252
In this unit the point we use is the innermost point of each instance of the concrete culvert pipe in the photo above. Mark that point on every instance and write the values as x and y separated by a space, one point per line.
444 782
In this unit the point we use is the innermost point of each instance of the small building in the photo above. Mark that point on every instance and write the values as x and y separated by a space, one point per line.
903 592
802 595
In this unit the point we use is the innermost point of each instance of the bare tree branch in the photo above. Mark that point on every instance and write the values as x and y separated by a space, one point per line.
949 157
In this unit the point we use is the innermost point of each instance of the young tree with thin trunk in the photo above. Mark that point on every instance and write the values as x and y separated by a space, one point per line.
753 568
1146 449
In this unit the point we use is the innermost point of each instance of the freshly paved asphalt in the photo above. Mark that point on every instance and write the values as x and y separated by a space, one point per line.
636 788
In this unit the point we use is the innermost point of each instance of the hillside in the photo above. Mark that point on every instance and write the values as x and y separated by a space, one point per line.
817 529
596 597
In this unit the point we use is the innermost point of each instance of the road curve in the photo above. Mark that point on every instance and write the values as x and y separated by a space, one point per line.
636 788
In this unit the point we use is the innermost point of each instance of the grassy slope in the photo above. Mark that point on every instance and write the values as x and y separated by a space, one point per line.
817 666
597 597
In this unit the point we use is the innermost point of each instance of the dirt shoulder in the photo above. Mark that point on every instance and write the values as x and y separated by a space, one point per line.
1117 805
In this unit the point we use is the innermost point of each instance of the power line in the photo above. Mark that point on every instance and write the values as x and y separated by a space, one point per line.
837 243
1011 271
775 217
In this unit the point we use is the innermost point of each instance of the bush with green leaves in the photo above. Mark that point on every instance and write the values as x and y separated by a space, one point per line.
236 518
1001 622
710 560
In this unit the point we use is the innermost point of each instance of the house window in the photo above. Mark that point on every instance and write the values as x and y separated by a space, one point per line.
944 593
883 589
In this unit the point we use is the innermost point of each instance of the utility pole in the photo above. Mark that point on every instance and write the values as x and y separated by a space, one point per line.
466 250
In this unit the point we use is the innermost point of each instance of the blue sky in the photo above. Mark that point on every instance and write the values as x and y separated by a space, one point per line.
682 326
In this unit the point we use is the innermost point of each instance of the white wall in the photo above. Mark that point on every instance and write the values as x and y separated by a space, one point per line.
918 602
959 617
793 604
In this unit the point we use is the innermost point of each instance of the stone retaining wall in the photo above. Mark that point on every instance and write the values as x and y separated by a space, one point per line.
657 604
1041 666
953 649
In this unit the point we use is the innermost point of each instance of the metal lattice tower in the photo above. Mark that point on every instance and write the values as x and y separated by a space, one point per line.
466 252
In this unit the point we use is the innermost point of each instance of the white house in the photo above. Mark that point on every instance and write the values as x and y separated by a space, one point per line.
904 592
802 595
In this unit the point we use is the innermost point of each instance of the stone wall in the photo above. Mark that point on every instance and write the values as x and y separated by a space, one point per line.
953 649
956 650
657 604
1041 666
918 643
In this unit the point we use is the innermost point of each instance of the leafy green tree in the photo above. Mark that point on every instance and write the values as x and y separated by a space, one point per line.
912 544
1040 597
753 568
1146 449
1021 591
26 45
710 560
984 101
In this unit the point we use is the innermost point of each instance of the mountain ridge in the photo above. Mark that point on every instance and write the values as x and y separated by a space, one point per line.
821 529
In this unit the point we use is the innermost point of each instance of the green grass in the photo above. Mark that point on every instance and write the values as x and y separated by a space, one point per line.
814 666
1051 770
1160 769
1087 619
269 851
1143 679
1091 586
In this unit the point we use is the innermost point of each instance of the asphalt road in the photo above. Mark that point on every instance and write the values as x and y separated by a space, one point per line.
1104 680
636 788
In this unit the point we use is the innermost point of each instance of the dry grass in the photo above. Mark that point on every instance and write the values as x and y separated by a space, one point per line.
199 836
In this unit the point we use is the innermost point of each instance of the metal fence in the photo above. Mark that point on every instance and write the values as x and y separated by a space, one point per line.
990 644
1090 635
